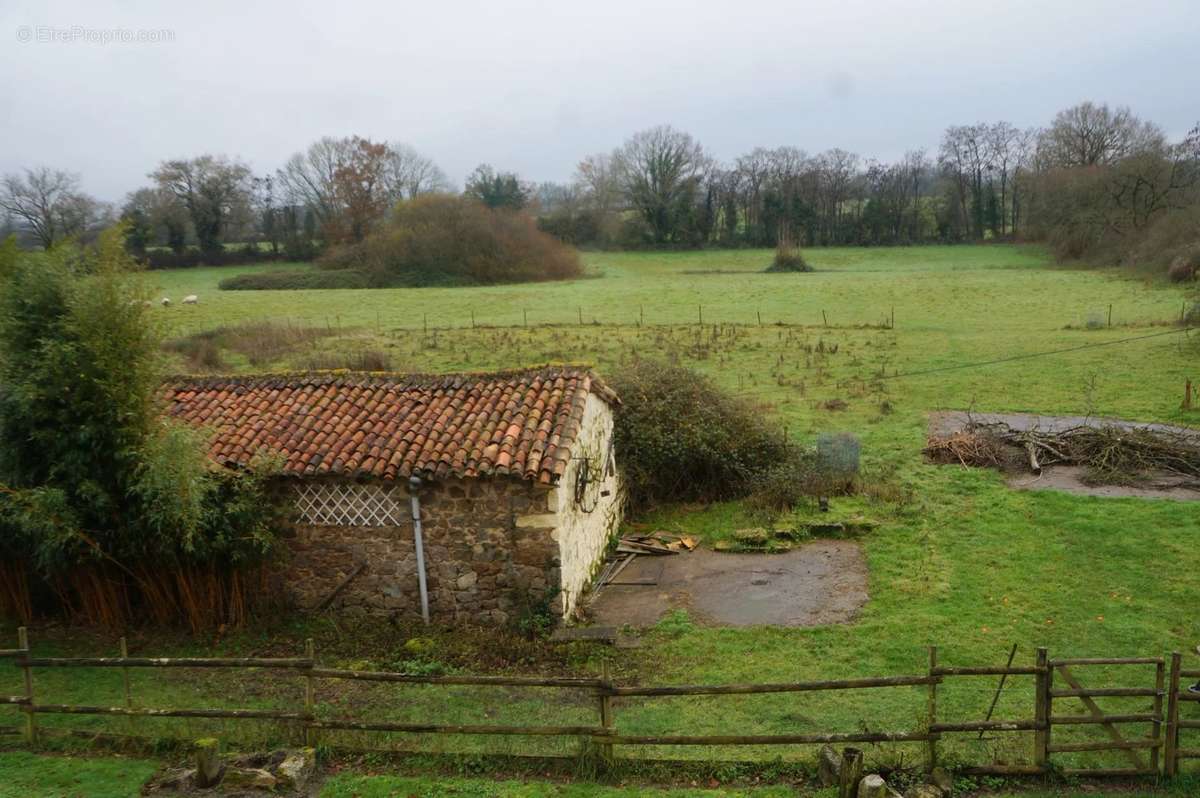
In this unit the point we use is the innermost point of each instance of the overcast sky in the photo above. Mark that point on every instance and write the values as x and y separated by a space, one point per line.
533 86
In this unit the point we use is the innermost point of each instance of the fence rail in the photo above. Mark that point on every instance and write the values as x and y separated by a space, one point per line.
1162 742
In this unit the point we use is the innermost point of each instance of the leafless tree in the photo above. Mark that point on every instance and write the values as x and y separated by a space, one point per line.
661 171
409 173
47 204
597 176
1088 134
309 178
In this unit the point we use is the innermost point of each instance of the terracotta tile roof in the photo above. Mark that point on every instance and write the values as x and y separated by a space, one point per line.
390 426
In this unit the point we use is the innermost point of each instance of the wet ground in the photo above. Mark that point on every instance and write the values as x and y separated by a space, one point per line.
819 583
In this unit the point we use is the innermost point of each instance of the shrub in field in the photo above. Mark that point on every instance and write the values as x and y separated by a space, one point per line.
789 259
294 280
681 438
1184 267
115 512
440 239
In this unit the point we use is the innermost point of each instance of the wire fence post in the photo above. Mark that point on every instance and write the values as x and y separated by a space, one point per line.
310 734
1041 711
931 745
1170 755
27 672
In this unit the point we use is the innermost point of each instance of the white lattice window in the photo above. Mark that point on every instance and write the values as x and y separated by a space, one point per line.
348 504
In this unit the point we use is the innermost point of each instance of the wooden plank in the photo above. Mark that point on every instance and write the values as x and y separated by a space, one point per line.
931 754
428 728
503 681
771 739
71 709
793 687
1086 720
988 725
27 677
1100 692
1019 670
13 699
1160 678
1170 756
1054 663
1085 696
606 711
1041 711
1105 773
166 662
1125 745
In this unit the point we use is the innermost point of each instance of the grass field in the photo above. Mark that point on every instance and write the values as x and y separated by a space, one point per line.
959 559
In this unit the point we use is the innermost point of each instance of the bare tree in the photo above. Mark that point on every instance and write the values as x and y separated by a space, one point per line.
409 173
661 171
1088 134
316 179
214 189
309 178
963 158
597 175
47 204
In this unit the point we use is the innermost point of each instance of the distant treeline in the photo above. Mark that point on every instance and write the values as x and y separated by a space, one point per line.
1096 182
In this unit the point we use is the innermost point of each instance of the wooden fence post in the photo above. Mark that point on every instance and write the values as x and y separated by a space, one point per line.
931 745
310 733
124 648
27 671
1160 678
851 773
1171 763
1041 711
606 710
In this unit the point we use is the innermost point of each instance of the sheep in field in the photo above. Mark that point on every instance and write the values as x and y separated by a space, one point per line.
165 302
191 299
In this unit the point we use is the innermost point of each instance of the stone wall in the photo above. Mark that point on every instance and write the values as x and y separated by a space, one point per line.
482 566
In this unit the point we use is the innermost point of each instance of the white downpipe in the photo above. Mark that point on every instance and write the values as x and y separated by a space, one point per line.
414 485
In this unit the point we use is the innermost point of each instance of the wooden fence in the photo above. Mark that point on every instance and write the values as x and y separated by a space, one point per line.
1159 753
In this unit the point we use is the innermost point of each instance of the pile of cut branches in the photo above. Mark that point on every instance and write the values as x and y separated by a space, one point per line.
1112 454
968 448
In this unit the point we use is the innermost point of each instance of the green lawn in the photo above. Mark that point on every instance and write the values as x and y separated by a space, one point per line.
959 559
24 774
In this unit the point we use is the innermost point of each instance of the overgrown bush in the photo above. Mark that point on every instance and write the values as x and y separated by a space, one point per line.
440 239
789 259
115 510
681 438
295 280
1184 267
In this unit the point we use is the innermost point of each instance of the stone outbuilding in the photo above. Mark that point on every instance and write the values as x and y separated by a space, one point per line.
518 490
